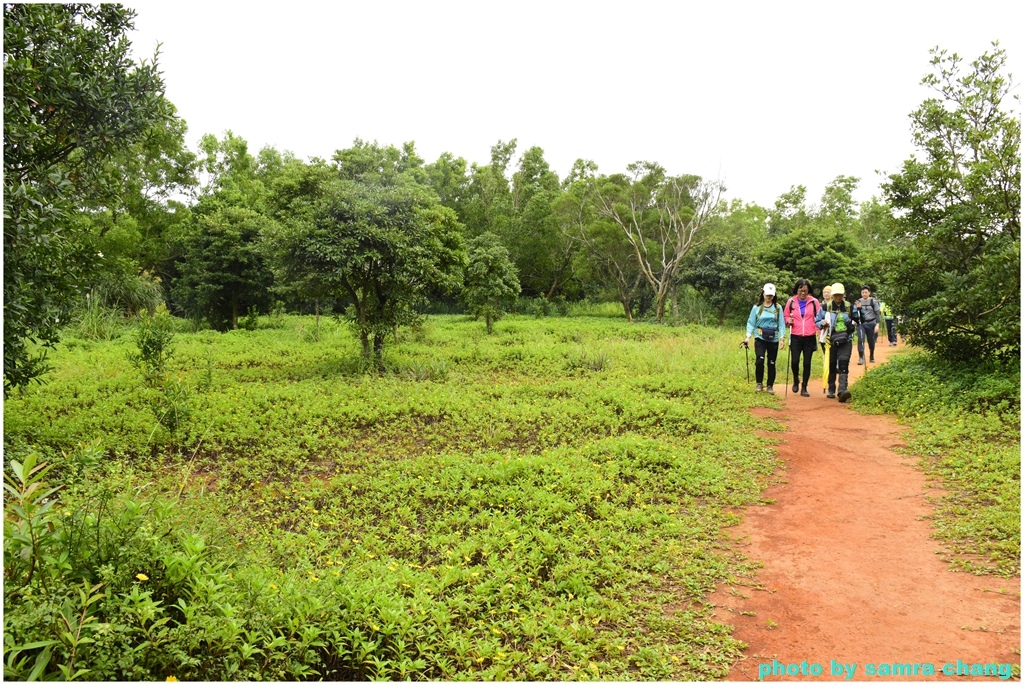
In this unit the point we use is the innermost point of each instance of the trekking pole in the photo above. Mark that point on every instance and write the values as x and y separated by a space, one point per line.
785 393
824 369
746 349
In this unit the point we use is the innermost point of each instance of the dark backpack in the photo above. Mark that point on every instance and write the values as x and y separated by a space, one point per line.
837 337
768 334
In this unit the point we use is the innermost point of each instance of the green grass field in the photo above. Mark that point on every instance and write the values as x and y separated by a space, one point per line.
543 503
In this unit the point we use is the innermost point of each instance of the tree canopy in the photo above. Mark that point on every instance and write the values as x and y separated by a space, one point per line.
103 195
378 243
956 267
73 99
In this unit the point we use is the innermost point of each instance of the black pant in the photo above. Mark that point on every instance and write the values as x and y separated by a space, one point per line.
802 344
839 361
866 331
890 325
761 348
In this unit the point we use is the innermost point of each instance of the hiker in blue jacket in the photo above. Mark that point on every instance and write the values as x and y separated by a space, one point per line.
840 320
768 327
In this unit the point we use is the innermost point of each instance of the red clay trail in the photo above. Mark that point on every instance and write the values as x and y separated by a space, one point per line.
850 571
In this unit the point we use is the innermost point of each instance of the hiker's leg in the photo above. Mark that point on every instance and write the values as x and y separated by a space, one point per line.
773 354
860 341
872 339
795 344
842 357
809 344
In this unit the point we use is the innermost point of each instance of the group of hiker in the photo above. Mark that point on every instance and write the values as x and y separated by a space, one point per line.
830 323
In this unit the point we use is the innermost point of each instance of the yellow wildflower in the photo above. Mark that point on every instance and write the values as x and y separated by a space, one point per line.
142 576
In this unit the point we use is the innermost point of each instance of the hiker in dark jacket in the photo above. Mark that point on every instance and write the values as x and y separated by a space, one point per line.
839 320
869 316
800 312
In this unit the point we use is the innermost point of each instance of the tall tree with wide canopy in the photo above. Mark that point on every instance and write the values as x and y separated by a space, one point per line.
957 213
72 99
374 237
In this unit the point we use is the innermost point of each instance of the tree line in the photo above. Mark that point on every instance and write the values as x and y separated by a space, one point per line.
103 199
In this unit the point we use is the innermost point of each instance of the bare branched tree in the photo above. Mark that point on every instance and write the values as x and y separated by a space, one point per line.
661 217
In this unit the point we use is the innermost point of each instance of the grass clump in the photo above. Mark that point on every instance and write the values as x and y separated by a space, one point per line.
965 424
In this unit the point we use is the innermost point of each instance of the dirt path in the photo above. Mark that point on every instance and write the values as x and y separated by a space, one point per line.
850 572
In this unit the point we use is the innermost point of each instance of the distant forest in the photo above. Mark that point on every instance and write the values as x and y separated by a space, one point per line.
106 206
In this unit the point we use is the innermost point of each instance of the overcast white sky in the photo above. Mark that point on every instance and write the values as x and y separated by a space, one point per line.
763 95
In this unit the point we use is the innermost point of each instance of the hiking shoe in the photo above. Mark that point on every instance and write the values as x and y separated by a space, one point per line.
845 395
759 388
860 361
770 390
872 360
831 394
804 393
796 387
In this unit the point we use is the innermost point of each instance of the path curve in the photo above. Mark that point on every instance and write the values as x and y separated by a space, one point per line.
850 571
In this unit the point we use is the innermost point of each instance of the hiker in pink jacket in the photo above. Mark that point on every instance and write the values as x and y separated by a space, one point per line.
799 314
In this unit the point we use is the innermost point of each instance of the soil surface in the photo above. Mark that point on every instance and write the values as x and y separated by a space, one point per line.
851 574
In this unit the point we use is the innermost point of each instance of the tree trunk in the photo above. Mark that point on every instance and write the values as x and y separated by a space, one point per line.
487 320
551 292
626 305
378 350
364 340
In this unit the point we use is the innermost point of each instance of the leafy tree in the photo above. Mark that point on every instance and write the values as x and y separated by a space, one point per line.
660 217
231 174
491 285
223 272
449 179
379 247
488 207
374 164
536 238
958 214
132 220
72 99
790 212
724 271
876 227
822 256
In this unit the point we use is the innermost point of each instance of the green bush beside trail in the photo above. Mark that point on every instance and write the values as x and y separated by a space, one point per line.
964 421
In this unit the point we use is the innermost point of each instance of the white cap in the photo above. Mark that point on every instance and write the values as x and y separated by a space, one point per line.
769 289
